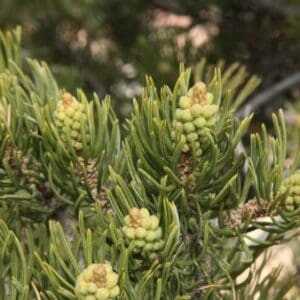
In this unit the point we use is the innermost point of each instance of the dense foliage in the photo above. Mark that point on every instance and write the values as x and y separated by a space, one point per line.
89 211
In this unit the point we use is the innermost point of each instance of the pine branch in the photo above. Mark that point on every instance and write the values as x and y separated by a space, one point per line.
165 205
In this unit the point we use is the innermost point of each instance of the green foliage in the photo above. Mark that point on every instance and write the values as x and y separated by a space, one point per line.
208 206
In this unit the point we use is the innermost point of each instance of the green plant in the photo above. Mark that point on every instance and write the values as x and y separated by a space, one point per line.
169 222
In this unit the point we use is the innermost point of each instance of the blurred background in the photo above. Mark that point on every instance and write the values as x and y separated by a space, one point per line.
108 46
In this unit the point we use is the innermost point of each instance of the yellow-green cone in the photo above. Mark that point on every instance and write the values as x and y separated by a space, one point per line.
194 118
97 282
291 186
144 230
69 117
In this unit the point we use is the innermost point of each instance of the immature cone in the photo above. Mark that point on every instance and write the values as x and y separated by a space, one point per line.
99 195
291 186
144 230
69 118
250 210
195 118
97 282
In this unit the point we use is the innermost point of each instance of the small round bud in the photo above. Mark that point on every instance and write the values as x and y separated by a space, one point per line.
140 233
114 292
129 232
127 220
199 122
146 223
76 125
295 189
59 124
61 116
70 112
102 294
88 273
188 127
158 233
111 280
209 98
74 134
211 122
198 88
185 148
196 145
295 179
209 110
139 243
78 145
68 123
134 212
199 152
178 114
82 287
196 110
77 105
144 213
77 115
204 140
297 200
108 268
186 115
203 132
158 245
151 236
184 102
178 126
192 137
91 287
148 247
154 222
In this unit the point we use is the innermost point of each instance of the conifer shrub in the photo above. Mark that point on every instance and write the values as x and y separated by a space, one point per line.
165 208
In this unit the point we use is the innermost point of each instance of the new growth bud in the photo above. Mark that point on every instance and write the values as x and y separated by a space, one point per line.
291 187
143 229
97 282
69 118
195 118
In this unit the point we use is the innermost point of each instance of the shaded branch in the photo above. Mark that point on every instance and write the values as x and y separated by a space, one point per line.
264 97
